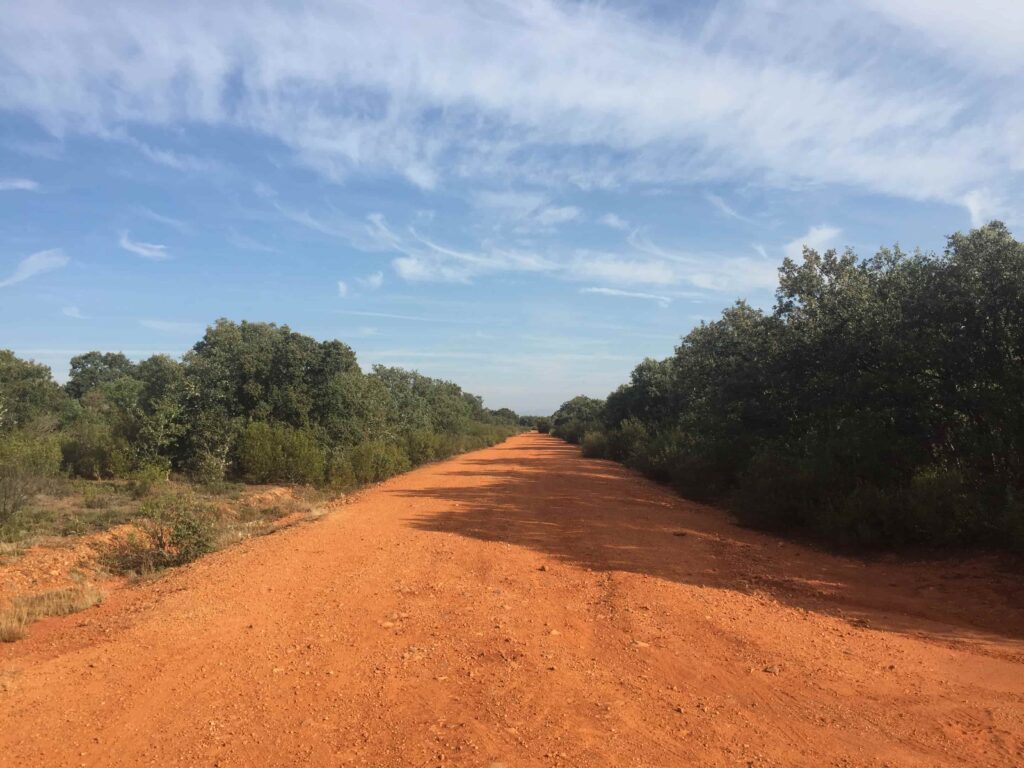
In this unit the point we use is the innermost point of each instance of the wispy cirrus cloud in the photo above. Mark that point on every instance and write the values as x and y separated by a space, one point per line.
614 221
18 185
373 281
663 300
160 218
179 161
590 95
151 251
73 312
35 264
723 207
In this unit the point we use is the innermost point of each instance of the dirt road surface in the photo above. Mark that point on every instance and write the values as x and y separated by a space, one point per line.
523 606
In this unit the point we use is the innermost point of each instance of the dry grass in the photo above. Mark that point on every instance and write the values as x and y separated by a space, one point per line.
23 610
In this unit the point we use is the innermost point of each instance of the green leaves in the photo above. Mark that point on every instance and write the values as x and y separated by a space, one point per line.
851 408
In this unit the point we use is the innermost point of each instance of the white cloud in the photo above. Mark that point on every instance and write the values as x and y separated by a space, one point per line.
622 270
342 289
614 221
982 207
663 300
179 161
169 221
594 95
424 259
761 251
985 32
74 312
553 216
724 207
14 185
151 251
372 281
817 238
36 264
513 204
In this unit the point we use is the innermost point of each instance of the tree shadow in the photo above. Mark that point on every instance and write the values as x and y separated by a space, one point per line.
538 492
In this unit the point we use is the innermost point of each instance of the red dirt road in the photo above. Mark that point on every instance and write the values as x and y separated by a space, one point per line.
522 606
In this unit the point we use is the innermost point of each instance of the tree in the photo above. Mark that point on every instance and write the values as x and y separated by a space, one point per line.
27 392
92 369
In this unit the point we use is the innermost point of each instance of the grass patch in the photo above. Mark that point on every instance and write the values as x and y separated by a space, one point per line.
22 611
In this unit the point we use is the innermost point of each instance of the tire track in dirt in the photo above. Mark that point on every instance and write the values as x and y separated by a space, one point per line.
524 606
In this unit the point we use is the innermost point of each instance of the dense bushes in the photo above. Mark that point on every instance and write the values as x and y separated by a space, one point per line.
880 403
577 417
277 453
27 462
376 460
253 401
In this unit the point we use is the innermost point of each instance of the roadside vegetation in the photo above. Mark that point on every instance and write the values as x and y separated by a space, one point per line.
879 404
22 610
160 451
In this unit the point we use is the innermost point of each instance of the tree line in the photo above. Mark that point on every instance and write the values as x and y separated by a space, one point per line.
250 401
880 402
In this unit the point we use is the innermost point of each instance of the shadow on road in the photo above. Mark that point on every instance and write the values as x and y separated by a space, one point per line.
539 493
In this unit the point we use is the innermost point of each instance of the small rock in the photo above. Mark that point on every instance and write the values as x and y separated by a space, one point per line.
772 669
542 568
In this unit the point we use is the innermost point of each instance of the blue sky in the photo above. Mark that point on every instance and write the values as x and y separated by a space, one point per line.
525 197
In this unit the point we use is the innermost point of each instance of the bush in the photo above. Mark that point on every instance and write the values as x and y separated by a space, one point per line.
340 475
175 530
595 445
142 481
277 453
91 450
421 446
27 464
543 426
629 443
376 460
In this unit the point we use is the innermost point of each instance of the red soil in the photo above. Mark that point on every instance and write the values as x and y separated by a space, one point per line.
523 606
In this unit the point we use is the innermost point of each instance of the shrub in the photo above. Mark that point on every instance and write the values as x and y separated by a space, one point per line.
91 450
543 426
95 496
340 475
207 467
269 453
629 443
175 530
142 481
421 446
376 460
27 463
595 445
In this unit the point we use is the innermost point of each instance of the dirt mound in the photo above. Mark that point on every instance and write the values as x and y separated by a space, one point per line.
522 606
